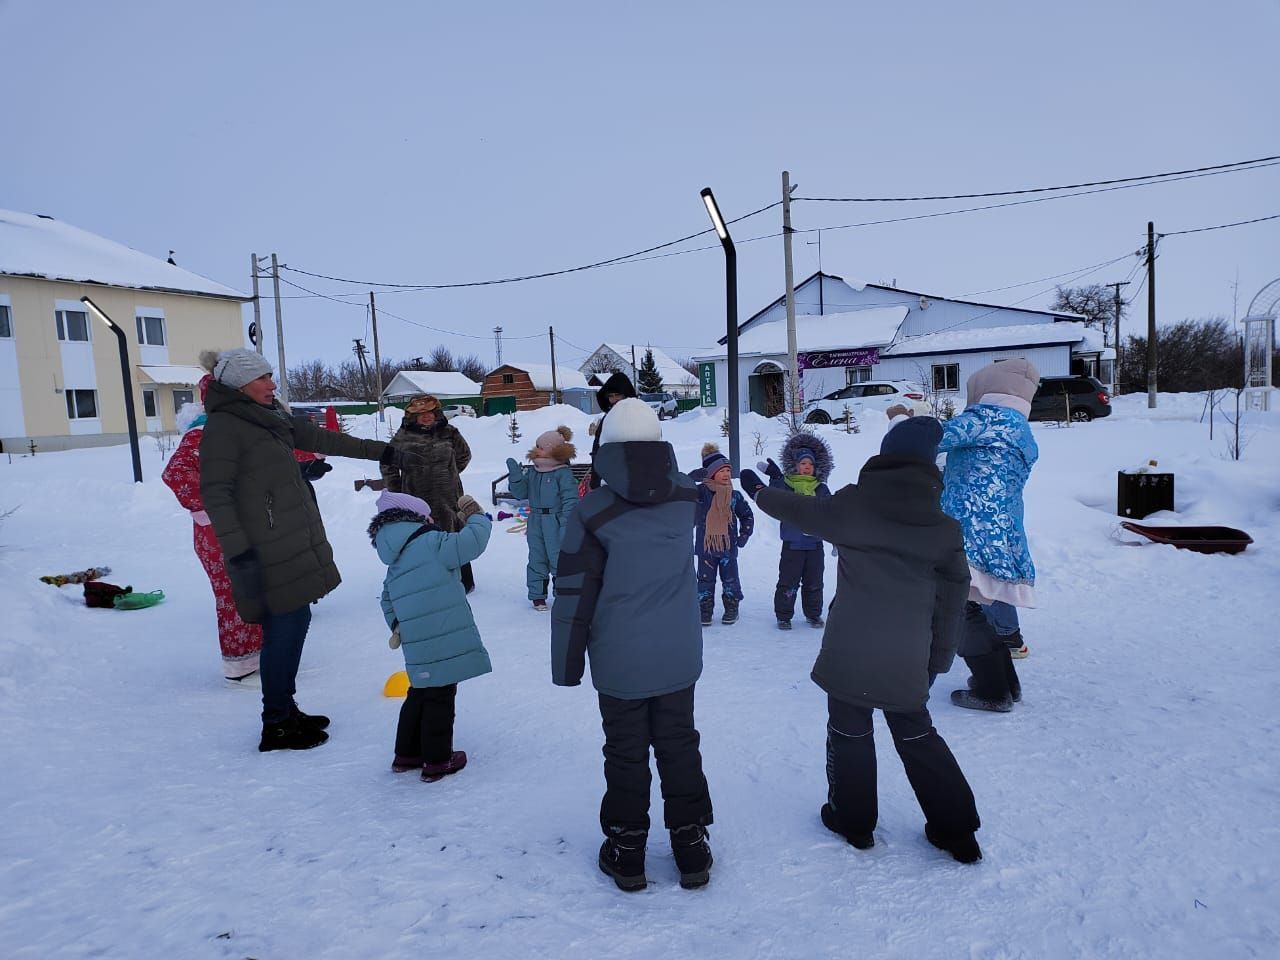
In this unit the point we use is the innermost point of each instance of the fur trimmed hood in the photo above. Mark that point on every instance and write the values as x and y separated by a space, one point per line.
802 440
396 515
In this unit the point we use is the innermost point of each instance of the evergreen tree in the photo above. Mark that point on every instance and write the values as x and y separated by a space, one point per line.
649 380
513 430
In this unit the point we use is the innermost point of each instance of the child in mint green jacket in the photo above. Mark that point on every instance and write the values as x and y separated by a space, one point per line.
548 484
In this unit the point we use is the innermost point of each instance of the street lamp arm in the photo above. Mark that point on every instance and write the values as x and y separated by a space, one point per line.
126 381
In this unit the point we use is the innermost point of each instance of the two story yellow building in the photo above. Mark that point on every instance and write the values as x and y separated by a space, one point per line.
60 379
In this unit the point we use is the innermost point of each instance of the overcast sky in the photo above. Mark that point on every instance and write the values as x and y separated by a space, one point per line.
423 142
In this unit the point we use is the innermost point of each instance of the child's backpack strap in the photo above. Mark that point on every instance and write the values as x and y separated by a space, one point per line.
412 537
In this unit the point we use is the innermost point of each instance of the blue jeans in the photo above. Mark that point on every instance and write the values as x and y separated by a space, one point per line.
1003 617
283 635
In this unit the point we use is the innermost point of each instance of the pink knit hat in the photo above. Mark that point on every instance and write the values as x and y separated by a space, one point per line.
390 500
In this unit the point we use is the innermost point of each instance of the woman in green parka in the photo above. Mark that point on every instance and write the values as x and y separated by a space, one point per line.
269 528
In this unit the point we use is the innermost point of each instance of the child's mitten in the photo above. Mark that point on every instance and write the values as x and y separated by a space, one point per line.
751 483
394 640
467 506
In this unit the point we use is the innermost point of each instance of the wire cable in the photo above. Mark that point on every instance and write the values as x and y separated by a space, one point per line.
1233 167
1220 226
530 276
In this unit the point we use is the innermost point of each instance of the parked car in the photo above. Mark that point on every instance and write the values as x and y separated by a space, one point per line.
663 404
872 395
1080 398
458 410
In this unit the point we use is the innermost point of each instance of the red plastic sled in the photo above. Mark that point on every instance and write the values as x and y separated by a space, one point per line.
1199 539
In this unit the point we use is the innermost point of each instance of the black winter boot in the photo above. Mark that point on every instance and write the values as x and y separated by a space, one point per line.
784 624
963 846
831 820
730 610
1015 685
290 735
622 857
990 687
311 721
692 851
707 609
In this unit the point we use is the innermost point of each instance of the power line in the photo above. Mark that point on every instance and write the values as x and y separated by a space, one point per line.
1233 167
1027 283
998 206
1220 226
530 276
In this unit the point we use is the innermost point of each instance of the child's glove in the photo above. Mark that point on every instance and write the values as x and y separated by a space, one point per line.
467 507
751 483
394 640
899 410
770 469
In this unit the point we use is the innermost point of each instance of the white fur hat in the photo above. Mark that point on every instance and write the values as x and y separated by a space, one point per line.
628 420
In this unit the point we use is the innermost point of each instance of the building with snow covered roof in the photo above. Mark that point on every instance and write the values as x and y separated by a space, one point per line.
447 385
527 386
851 333
60 383
616 357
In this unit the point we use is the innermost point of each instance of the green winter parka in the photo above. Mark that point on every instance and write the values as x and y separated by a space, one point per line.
257 501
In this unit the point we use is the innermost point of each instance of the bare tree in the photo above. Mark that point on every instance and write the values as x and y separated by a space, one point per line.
471 367
1194 356
602 363
1094 302
690 365
308 381
440 360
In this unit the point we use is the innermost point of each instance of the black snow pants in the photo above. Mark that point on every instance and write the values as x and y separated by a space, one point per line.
799 570
939 785
426 724
630 728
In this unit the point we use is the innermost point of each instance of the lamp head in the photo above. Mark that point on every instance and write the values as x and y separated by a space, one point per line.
97 312
713 210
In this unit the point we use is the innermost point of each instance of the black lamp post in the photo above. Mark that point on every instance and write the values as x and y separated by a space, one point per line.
731 319
128 385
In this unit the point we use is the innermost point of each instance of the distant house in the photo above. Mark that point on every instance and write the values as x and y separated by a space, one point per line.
526 386
849 333
60 378
443 386
617 356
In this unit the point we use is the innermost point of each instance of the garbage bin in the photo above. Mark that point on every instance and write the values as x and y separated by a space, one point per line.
1140 494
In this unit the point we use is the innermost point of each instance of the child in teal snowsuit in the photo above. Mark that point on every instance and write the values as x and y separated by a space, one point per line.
548 484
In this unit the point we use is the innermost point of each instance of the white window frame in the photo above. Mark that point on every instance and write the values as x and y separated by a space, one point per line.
861 374
6 324
954 368
73 401
153 394
62 326
140 318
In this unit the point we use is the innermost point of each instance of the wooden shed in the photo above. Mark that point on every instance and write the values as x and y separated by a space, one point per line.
512 387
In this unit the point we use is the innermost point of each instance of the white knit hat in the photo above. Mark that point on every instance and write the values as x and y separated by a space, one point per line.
628 420
237 367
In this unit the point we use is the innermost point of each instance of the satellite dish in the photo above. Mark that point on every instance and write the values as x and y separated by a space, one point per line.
924 302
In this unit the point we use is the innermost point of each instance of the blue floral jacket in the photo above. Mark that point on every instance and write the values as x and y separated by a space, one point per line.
990 452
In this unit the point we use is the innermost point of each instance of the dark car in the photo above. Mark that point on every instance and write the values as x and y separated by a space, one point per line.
1080 398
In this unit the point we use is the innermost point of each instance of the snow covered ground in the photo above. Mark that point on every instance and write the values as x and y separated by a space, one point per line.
1129 804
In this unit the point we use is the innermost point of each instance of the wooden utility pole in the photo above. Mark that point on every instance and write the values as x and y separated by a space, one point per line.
793 361
1151 315
635 372
555 393
282 380
257 303
359 350
1116 369
377 354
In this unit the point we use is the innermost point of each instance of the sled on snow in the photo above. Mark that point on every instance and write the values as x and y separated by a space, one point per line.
1195 538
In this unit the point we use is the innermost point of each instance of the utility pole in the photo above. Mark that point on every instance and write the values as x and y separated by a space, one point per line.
282 386
1151 315
257 304
497 346
377 355
635 374
1116 287
359 350
555 393
793 361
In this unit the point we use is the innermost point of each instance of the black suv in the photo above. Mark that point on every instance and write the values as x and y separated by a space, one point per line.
1080 398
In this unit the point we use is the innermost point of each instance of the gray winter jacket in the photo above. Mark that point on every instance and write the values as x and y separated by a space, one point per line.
901 586
625 595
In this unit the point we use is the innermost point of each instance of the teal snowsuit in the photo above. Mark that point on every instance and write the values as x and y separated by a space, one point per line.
552 495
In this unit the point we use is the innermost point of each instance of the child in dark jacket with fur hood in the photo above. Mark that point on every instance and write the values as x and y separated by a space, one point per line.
893 626
806 465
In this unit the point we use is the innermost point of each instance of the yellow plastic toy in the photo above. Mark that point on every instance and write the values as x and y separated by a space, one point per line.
397 685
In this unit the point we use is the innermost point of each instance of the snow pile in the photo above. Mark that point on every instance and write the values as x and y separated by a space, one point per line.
1128 803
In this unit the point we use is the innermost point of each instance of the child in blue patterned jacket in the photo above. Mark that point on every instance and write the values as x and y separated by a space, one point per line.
806 465
723 525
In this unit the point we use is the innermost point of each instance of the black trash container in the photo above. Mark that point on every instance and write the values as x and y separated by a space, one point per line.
1140 494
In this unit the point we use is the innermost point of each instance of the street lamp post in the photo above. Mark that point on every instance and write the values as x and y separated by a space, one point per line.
731 319
127 381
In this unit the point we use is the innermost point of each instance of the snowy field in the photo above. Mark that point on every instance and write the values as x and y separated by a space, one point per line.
1129 804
